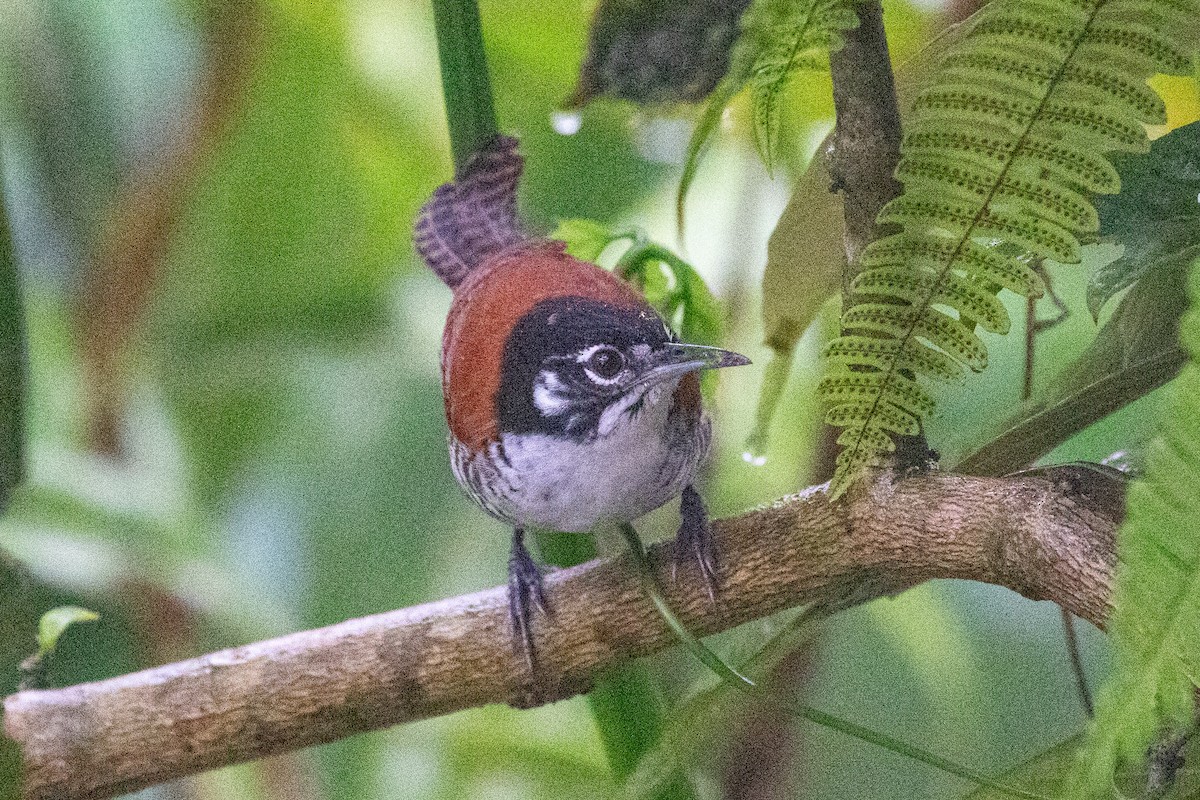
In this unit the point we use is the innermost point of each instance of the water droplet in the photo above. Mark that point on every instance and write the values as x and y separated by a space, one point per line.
566 123
754 459
755 453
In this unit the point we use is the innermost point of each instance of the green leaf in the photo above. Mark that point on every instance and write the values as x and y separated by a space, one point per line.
1156 622
703 318
54 624
585 239
998 163
1156 215
706 126
804 260
802 39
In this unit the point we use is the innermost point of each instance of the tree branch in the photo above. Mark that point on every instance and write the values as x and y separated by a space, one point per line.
1049 536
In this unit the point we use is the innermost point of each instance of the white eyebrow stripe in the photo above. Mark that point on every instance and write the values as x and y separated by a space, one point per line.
588 352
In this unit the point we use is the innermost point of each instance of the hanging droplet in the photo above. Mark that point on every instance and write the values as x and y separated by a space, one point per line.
775 378
755 455
566 123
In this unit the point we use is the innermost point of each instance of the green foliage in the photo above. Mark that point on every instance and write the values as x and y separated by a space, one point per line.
779 39
12 365
669 283
306 256
998 163
54 624
1135 352
1156 215
788 38
1156 622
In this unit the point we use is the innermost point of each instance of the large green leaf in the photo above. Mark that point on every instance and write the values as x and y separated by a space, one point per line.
1156 621
1156 215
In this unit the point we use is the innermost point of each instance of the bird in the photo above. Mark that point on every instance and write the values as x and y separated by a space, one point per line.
571 403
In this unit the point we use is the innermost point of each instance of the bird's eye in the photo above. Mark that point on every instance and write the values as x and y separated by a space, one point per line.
606 363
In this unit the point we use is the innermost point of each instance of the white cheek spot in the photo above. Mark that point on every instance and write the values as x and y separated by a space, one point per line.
549 394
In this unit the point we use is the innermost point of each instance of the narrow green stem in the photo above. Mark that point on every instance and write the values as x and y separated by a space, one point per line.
465 83
12 364
734 678
626 701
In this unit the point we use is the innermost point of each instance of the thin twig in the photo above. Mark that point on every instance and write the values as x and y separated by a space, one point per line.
732 677
1076 657
1034 327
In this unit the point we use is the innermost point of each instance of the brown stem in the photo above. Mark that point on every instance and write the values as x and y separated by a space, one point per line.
863 154
1049 536
128 258
866 143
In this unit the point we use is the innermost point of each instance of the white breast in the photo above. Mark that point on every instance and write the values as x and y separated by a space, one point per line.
559 484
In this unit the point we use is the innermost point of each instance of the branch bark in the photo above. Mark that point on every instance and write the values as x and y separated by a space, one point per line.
866 143
1049 536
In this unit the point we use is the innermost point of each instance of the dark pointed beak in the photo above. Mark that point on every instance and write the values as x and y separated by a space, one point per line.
702 356
678 359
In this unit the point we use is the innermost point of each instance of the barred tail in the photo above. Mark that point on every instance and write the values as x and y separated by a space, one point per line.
475 217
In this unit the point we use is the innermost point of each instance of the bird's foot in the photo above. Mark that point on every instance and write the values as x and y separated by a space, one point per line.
694 542
524 588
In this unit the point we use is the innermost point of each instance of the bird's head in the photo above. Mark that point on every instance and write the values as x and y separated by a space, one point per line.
540 342
576 367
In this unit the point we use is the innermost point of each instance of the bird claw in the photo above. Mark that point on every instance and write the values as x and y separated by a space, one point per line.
694 542
524 584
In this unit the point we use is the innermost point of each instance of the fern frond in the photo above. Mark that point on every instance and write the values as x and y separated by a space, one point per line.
998 164
801 41
780 38
1156 624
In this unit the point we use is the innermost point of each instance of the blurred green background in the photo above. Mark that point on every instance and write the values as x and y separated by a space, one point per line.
235 422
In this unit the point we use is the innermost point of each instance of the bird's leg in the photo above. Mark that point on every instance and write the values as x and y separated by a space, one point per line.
695 540
524 585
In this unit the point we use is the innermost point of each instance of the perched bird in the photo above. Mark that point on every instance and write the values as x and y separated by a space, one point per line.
570 401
